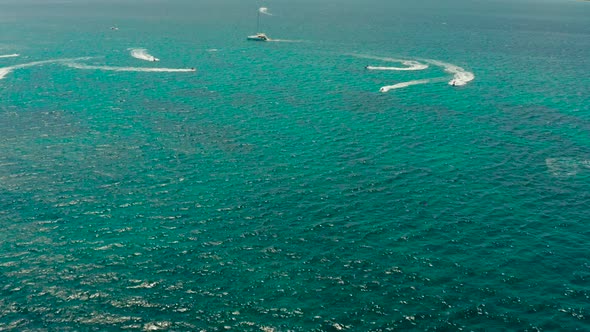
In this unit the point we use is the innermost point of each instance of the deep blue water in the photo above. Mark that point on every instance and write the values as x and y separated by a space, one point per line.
276 188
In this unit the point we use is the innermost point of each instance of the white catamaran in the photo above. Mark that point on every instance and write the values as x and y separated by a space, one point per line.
259 36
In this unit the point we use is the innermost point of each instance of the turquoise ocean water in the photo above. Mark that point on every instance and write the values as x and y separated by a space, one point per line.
276 188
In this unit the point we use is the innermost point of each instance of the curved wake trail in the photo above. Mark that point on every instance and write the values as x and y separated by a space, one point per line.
142 54
7 70
387 88
460 76
9 55
130 69
410 64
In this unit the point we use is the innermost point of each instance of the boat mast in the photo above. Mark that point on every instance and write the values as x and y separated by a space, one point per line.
258 22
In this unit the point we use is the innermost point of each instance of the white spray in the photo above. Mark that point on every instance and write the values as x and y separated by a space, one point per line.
264 10
460 76
142 54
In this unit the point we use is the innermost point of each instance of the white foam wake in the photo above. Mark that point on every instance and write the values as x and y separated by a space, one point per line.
285 41
460 76
142 54
264 10
9 55
387 88
7 70
130 69
410 64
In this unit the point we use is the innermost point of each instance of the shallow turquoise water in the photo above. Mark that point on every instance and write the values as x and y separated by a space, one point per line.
276 188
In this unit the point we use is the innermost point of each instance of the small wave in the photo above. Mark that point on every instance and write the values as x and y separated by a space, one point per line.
460 76
157 326
7 70
110 246
144 284
142 54
130 69
9 55
387 88
264 10
566 167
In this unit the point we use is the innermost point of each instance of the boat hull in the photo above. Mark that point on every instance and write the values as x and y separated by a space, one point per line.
259 37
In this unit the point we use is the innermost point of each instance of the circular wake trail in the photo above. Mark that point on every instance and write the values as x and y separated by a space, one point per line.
7 70
387 88
9 55
460 76
130 69
142 54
